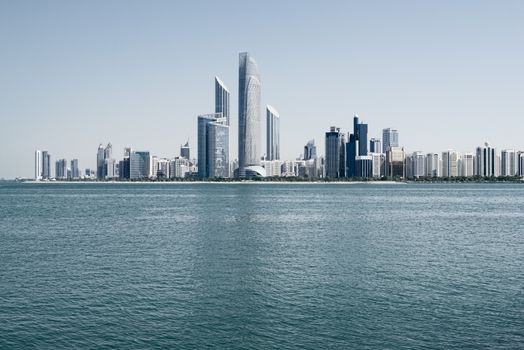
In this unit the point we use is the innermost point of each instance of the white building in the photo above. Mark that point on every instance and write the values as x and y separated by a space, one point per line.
467 165
38 165
508 162
450 166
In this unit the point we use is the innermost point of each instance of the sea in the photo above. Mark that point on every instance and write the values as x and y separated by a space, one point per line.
261 266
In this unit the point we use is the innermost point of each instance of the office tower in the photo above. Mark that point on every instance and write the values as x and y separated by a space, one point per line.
379 161
100 162
508 162
450 167
395 165
109 168
521 164
418 164
75 171
432 165
310 150
139 165
213 146
46 165
38 164
389 139
124 168
185 152
361 134
467 165
364 166
351 154
357 145
162 169
222 100
272 133
374 146
335 153
61 169
272 167
248 113
485 160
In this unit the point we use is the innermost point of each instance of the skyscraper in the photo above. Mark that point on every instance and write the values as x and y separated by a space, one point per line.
61 169
185 151
248 113
357 146
395 162
310 150
374 146
450 160
75 172
389 139
100 162
508 162
272 133
485 160
139 165
335 153
222 100
46 165
432 165
38 164
467 165
213 146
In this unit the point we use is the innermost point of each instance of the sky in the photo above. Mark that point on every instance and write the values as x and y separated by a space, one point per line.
73 74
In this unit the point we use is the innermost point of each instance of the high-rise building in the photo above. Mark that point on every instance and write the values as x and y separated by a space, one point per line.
310 150
467 165
272 133
432 165
139 165
485 161
213 146
335 153
357 146
379 161
38 164
100 162
364 166
450 164
248 113
185 151
521 164
75 171
395 162
61 169
508 162
46 165
389 139
418 164
375 146
222 100
361 133
351 154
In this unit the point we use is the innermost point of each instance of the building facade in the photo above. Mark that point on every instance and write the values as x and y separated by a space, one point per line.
272 133
248 113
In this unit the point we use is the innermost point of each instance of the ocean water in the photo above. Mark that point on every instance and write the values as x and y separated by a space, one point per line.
261 266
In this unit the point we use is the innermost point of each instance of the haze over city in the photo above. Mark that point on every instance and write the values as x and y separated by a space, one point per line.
136 74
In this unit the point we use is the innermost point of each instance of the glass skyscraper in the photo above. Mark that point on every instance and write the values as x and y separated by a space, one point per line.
272 133
213 146
248 113
389 139
335 153
222 100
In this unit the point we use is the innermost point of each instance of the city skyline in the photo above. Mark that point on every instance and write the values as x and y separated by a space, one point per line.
442 88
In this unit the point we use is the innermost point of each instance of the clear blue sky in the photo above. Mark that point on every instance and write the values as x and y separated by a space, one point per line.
446 74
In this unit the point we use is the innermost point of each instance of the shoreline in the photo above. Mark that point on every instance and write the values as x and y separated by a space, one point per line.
515 180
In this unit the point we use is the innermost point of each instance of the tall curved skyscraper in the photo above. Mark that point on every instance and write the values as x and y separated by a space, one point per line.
248 113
